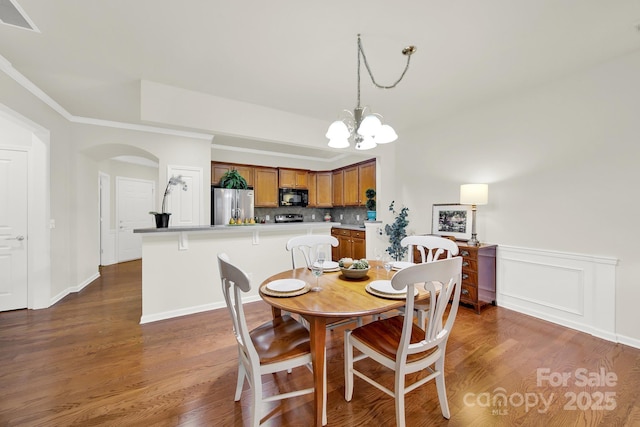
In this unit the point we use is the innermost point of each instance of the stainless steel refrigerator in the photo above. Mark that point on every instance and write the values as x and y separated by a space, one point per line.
227 203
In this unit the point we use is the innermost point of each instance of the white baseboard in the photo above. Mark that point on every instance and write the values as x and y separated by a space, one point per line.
190 310
573 290
631 342
73 289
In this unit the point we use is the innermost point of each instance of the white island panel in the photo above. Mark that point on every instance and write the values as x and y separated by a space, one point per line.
180 269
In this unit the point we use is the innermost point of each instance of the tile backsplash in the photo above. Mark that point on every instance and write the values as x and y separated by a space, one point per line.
350 215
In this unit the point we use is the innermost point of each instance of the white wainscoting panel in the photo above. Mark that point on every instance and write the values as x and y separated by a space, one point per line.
573 290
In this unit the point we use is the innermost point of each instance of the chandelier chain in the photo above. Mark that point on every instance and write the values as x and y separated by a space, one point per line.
366 63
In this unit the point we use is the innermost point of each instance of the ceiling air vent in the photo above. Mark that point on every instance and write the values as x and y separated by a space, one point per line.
12 14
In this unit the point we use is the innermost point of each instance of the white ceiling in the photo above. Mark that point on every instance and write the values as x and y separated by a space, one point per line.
300 56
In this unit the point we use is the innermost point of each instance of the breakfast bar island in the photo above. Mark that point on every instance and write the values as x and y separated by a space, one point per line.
180 270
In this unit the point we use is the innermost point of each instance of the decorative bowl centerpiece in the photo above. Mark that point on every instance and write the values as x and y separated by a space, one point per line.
351 269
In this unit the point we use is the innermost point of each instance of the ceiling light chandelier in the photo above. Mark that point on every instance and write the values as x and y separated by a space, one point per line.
364 128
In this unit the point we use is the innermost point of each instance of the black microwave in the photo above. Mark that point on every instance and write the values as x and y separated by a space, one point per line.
293 197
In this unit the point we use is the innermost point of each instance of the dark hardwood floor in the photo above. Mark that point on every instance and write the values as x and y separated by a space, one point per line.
87 361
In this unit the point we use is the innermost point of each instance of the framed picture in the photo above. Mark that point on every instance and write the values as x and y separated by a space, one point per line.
453 220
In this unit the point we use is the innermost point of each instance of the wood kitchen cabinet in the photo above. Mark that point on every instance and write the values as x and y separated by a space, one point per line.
293 178
366 179
324 189
265 188
356 179
350 191
337 178
312 181
320 190
219 169
351 244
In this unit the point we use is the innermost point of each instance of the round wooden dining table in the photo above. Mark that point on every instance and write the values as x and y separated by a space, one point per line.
338 298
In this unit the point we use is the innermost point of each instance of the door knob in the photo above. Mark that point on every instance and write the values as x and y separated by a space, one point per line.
18 238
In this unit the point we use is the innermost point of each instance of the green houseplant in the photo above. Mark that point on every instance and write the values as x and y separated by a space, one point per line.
397 232
162 217
370 193
232 179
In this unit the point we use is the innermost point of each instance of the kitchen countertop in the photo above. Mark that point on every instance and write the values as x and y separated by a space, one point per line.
254 227
356 226
235 228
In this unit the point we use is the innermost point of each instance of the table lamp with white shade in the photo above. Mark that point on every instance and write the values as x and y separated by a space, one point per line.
474 195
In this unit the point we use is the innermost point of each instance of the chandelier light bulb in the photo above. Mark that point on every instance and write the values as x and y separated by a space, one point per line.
370 126
386 135
338 130
338 142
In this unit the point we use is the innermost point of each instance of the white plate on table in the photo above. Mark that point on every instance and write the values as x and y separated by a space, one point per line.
399 265
286 285
329 266
383 288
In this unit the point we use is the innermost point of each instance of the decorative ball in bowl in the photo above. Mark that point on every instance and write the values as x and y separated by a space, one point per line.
354 269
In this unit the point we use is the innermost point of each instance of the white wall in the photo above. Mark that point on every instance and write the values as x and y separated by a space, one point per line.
561 163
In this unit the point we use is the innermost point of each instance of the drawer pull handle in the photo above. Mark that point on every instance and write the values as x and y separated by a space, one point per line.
464 253
465 292
465 264
465 276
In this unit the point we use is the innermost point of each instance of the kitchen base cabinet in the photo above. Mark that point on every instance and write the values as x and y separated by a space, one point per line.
478 275
351 244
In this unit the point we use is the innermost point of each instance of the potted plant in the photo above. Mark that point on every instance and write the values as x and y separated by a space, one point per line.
162 217
397 232
370 193
232 179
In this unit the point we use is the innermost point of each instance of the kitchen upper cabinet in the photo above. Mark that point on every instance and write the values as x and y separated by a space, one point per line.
355 180
350 192
293 178
341 187
324 189
265 188
320 190
337 178
366 179
313 199
219 169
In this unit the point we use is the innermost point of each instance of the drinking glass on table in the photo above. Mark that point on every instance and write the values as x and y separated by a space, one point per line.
317 269
388 264
378 253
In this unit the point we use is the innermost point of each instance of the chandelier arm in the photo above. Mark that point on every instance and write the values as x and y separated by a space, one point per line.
366 64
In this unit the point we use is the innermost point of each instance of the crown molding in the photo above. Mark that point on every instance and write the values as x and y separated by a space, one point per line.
27 84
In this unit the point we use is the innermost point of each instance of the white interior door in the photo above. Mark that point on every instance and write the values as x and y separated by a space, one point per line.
13 229
186 206
134 201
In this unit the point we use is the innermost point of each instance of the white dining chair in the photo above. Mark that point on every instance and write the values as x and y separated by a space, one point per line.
278 345
430 248
402 346
308 246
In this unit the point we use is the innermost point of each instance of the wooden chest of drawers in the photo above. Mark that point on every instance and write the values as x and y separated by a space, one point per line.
478 275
